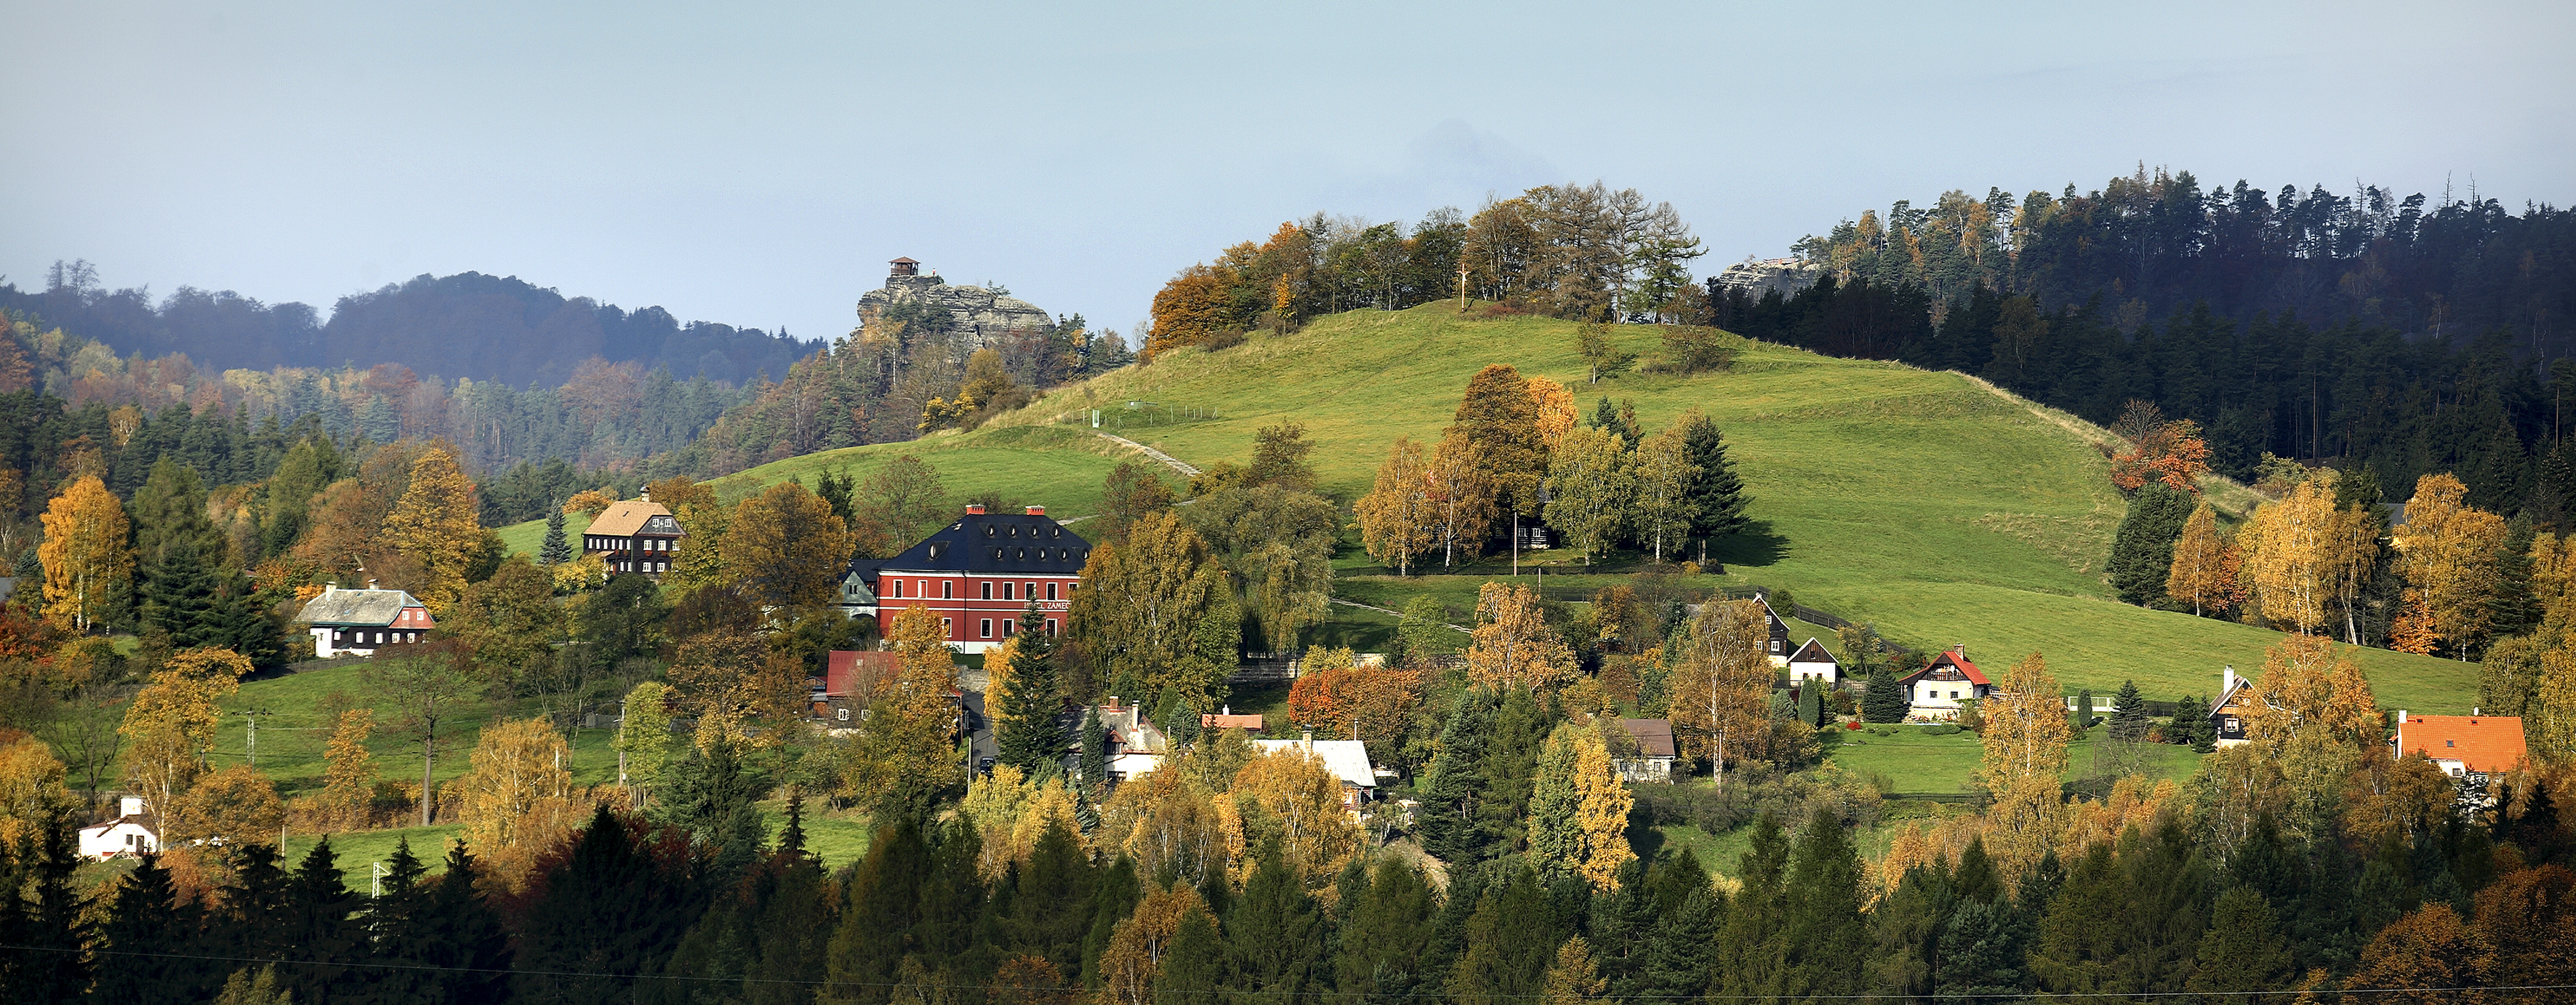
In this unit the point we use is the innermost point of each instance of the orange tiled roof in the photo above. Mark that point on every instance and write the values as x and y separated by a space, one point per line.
2483 743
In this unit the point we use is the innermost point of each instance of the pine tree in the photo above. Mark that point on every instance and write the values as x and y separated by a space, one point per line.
1825 930
319 926
1031 738
557 549
1095 750
2243 950
1385 933
1195 967
2128 713
1716 492
153 941
1885 699
1277 932
2082 722
43 916
2142 550
1811 702
1454 784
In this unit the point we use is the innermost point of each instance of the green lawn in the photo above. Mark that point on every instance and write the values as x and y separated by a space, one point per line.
839 837
293 732
1913 760
1920 502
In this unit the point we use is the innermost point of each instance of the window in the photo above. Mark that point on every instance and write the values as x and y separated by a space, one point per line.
948 589
1050 627
987 631
897 590
1070 587
1006 592
844 714
924 584
988 591
1031 592
1775 645
947 627
1009 627
1050 591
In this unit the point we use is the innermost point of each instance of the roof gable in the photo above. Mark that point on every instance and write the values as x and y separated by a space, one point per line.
634 516
336 606
1346 759
1812 652
1955 661
2481 743
1654 736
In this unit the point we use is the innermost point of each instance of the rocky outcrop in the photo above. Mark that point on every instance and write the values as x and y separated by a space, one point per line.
981 313
1755 278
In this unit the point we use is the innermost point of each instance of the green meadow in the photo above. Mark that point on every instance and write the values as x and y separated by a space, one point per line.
1926 504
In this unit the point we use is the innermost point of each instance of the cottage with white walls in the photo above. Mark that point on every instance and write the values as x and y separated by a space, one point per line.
355 622
129 834
1814 662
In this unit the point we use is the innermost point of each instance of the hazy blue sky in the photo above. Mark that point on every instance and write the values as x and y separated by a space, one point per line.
758 166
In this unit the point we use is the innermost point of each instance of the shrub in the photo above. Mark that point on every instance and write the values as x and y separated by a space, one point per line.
1940 729
1693 349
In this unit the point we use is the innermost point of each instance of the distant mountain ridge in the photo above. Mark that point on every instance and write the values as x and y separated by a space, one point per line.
488 328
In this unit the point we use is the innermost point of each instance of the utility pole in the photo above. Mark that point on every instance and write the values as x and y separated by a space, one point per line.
251 741
1462 285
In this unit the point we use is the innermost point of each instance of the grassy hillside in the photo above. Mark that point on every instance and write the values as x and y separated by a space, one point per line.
1925 503
1058 468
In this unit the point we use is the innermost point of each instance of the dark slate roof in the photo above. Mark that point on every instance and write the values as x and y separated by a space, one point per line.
355 607
998 544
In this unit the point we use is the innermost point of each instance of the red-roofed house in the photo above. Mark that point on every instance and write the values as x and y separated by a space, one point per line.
1226 719
2463 745
1936 691
852 679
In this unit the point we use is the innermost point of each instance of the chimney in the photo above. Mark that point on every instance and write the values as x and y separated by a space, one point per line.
2226 680
1308 738
130 806
371 584
1113 703
646 495
1037 511
974 509
1959 650
1227 709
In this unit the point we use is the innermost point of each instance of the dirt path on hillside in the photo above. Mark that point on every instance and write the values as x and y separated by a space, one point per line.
1168 460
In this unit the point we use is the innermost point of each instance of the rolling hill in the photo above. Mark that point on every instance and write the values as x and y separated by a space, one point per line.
1929 504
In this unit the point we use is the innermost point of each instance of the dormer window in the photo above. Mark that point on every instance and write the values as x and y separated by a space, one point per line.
988 530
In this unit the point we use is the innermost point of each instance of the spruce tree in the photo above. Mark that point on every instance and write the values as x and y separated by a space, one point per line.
607 914
2081 718
179 596
2128 713
319 915
1811 702
1195 969
2243 950
1095 750
2142 549
1031 738
42 917
153 942
1277 932
1385 933
1825 936
1454 784
1885 699
557 549
1717 494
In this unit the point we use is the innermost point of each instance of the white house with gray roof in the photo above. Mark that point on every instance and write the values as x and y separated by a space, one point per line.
355 622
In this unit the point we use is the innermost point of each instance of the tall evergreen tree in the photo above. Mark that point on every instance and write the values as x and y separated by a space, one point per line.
1031 739
557 549
605 915
1716 493
1825 935
1385 933
320 926
2128 713
2142 548
1277 933
1884 701
1454 784
180 597
43 917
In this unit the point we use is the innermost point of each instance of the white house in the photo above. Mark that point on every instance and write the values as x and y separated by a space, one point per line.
128 834
1348 760
1936 691
355 622
1814 661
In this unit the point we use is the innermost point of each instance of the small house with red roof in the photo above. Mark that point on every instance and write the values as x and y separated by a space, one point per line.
852 679
1938 690
2464 746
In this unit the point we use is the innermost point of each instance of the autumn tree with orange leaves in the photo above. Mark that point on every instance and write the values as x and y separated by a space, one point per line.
2449 555
2169 452
1514 647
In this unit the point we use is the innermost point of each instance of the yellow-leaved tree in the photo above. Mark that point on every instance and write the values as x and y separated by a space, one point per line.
1134 956
1556 413
437 523
88 567
1664 476
906 755
1398 515
2315 721
2199 562
2287 553
2449 554
1462 498
1291 796
2025 753
172 723
517 799
2551 721
349 772
1721 692
31 788
786 548
1514 647
1578 816
236 806
1158 610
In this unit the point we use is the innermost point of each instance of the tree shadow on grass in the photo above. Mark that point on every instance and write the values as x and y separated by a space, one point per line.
1757 546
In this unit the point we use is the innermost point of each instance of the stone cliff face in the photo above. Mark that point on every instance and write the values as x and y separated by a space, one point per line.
981 313
1786 275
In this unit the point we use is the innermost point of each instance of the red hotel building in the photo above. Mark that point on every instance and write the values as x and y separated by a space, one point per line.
979 574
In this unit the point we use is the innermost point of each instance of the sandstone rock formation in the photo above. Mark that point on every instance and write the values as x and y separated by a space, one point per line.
981 313
1755 278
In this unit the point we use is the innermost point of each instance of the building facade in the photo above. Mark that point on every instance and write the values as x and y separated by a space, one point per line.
634 535
355 622
978 574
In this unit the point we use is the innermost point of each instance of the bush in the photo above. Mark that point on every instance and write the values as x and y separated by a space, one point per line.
1693 349
1940 729
1752 790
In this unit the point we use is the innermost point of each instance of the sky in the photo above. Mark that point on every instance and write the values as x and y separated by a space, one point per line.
757 164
